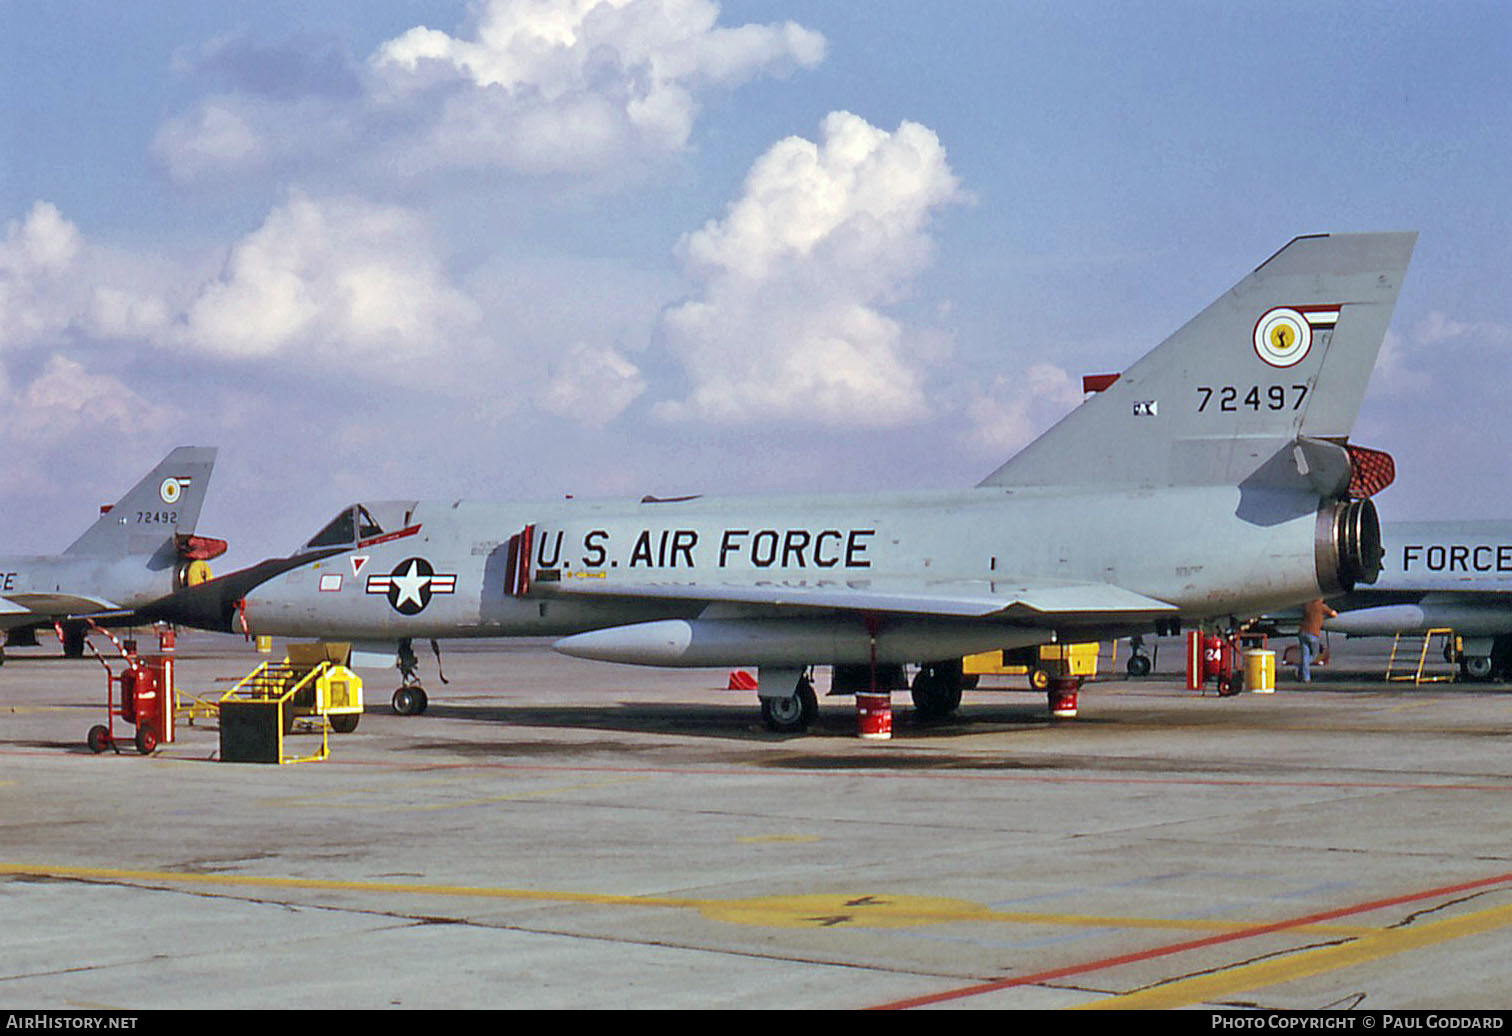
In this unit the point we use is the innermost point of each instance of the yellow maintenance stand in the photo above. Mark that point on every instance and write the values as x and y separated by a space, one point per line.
1417 676
313 681
1041 664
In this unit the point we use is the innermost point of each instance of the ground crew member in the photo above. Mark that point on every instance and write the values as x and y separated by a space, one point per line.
1310 636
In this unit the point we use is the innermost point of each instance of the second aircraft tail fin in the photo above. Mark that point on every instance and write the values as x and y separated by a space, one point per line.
162 505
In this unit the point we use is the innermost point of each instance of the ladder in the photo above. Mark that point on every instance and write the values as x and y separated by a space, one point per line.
1416 675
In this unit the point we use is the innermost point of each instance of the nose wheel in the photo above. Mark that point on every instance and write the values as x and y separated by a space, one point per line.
410 700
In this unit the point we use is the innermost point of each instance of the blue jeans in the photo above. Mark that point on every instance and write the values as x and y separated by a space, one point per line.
1309 646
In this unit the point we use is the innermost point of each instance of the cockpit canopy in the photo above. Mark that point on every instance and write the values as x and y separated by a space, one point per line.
360 522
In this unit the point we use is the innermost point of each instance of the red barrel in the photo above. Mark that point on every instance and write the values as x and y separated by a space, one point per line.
874 715
1063 696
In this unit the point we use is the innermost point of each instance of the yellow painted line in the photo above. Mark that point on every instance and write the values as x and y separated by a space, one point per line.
322 885
821 910
1409 706
1167 924
1306 963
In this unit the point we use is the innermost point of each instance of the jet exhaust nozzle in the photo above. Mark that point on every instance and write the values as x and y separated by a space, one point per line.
1349 549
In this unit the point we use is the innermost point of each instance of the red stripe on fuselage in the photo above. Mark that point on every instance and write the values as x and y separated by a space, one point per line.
389 536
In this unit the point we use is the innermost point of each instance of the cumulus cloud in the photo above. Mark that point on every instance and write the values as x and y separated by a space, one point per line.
1394 373
336 283
592 384
66 399
788 323
1012 411
530 86
332 279
36 257
325 286
54 284
573 83
1407 359
218 135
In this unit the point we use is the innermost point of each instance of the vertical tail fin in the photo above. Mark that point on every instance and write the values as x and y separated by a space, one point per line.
1283 356
166 502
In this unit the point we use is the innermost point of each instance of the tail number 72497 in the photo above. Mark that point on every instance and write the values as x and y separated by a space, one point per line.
1232 398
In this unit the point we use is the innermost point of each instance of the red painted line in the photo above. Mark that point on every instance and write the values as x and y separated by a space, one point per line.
1190 944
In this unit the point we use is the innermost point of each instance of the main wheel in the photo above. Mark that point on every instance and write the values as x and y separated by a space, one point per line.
1477 667
410 701
73 642
936 691
791 715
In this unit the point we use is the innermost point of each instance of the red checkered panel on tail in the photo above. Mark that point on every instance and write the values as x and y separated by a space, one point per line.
1372 471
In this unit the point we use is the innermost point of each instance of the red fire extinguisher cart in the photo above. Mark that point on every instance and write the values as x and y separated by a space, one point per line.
141 695
1210 658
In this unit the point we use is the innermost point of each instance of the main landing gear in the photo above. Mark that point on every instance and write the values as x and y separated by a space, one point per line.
937 689
793 712
936 692
1139 663
410 699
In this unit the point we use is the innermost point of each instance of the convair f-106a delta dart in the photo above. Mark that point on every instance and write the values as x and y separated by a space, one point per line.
138 550
1212 479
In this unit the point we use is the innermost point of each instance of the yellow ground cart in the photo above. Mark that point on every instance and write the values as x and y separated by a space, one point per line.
1041 664
312 682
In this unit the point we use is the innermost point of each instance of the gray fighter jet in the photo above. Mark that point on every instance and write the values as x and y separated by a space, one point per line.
139 549
1441 575
1209 480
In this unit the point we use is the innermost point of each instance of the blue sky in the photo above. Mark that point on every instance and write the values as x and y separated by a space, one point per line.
513 250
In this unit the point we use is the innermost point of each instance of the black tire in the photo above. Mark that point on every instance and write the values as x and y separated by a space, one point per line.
146 739
345 722
1477 667
1139 665
73 642
1039 679
99 739
791 715
936 691
410 701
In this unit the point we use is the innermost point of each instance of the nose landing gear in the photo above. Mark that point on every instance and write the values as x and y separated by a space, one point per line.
410 699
